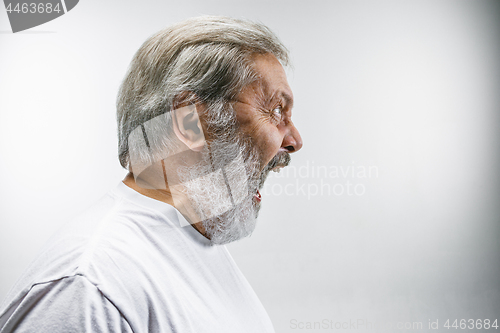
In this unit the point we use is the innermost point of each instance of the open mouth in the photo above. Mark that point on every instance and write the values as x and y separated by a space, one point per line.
257 196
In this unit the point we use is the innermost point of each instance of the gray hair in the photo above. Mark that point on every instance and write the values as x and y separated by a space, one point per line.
207 58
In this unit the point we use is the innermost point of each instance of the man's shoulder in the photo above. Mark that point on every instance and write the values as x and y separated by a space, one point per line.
68 304
112 234
112 245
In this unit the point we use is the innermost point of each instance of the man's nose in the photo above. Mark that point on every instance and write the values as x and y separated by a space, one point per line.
292 141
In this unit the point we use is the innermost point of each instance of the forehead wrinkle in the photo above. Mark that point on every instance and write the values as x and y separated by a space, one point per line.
279 93
266 92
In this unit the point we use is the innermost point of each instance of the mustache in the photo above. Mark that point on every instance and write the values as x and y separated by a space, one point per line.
281 159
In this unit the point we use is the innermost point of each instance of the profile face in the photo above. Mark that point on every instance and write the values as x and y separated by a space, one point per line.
264 111
264 138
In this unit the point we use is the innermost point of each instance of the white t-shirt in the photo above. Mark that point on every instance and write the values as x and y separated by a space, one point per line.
126 265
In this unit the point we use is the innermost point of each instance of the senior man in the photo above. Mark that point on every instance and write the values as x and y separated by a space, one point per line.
204 114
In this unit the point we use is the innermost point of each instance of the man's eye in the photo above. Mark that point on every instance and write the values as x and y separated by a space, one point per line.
278 112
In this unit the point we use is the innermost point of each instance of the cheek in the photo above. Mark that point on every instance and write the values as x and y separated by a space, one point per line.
268 142
265 136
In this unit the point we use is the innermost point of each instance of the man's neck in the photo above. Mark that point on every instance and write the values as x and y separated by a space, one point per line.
160 195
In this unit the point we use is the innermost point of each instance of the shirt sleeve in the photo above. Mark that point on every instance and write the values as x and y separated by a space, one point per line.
70 304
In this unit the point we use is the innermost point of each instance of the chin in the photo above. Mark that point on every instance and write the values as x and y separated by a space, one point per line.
233 225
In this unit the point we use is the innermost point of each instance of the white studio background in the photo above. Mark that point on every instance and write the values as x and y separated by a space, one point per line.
389 214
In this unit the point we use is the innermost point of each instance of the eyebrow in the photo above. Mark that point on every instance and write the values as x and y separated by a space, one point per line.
285 96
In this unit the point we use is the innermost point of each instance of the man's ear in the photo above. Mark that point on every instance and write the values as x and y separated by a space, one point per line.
187 127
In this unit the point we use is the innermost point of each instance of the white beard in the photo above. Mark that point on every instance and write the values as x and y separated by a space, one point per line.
221 189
